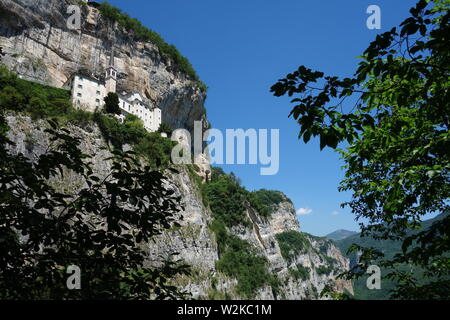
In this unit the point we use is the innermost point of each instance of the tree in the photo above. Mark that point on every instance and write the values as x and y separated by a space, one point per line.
102 228
166 128
10 98
396 139
112 103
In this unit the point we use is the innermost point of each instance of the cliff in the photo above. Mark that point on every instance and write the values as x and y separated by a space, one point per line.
301 271
285 263
40 47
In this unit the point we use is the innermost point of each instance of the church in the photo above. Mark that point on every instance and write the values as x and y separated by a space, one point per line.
87 93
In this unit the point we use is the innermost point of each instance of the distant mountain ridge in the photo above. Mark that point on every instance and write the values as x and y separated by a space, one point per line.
389 248
340 234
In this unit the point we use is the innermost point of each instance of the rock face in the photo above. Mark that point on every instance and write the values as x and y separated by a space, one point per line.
39 46
196 243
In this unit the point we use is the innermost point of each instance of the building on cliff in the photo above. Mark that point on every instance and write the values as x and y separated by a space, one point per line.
88 94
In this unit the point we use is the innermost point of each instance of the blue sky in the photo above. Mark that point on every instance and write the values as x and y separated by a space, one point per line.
240 48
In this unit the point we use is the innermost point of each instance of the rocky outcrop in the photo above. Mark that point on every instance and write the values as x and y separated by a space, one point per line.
39 46
195 242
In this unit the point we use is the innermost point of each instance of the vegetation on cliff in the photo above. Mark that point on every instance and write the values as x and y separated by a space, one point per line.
392 116
143 33
390 248
100 228
151 145
228 202
45 102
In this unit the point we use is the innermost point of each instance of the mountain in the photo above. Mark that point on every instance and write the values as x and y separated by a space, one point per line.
39 46
389 248
340 234
281 261
261 228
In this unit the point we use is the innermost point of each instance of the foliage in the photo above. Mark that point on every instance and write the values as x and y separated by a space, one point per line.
154 148
164 127
299 272
216 173
239 259
142 32
226 199
329 292
37 100
266 201
292 243
112 103
323 270
100 228
397 159
390 248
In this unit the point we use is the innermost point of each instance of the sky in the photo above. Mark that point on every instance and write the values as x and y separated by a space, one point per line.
241 48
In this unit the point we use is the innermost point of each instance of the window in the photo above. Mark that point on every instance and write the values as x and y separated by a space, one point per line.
79 94
97 100
78 101
80 86
98 92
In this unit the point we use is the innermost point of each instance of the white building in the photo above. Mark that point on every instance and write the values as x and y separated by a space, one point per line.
88 94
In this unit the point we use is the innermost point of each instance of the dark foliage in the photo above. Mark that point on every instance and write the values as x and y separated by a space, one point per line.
100 228
112 103
397 159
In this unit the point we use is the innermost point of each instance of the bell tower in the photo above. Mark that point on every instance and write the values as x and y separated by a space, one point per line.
111 74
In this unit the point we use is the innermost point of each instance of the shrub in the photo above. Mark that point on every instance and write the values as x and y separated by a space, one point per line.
112 103
164 127
10 98
155 149
322 270
79 117
292 243
150 145
266 201
300 272
240 260
216 173
225 198
40 101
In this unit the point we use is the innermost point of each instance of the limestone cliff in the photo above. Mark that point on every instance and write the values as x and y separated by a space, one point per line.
195 241
40 47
